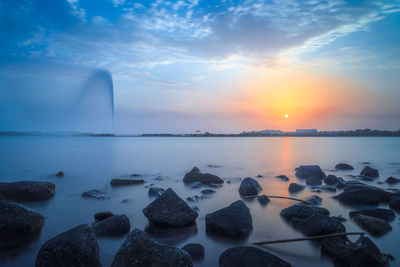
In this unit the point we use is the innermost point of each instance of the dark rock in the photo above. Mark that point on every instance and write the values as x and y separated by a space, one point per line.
341 183
233 221
302 211
136 175
170 209
311 172
208 192
171 236
195 208
96 194
392 180
384 214
102 215
295 188
18 224
60 174
249 187
323 188
122 182
313 181
247 256
140 250
205 178
341 218
263 200
369 172
283 177
372 225
114 226
76 247
395 204
213 166
25 191
196 251
331 179
194 198
344 167
259 176
126 201
215 185
314 199
196 185
356 193
155 191
318 224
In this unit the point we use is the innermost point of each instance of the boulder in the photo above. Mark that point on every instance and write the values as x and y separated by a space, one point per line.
356 193
331 179
196 251
372 225
302 211
344 167
76 247
384 214
263 200
155 191
215 185
318 224
170 209
395 204
313 180
102 215
60 174
207 191
247 256
283 177
205 178
295 188
96 194
232 221
196 185
25 191
313 172
369 172
249 187
114 226
314 199
122 182
18 224
139 250
392 180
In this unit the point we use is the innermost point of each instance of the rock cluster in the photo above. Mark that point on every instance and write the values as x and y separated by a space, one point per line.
205 178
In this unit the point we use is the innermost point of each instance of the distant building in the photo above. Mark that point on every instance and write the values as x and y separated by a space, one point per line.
307 131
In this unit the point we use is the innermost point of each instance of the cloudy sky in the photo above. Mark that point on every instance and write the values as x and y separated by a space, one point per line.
218 66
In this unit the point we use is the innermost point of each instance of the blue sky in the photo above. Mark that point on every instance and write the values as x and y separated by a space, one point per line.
179 66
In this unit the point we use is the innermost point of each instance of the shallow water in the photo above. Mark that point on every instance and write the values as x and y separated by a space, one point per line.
91 162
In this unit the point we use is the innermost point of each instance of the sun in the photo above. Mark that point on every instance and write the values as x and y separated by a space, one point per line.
286 116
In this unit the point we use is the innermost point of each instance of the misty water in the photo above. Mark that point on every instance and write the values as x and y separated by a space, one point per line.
91 162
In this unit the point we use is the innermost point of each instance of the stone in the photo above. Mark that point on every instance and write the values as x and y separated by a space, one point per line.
323 188
170 209
357 193
233 221
384 214
392 180
215 185
295 188
75 247
139 250
283 177
259 176
207 191
344 167
302 211
372 225
247 256
195 250
314 172
102 215
318 224
331 179
95 194
155 191
60 174
314 199
126 201
395 204
136 175
25 191
122 182
196 185
113 226
18 224
205 178
249 187
263 200
369 172
313 181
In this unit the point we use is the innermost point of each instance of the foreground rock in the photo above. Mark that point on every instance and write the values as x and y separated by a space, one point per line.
247 256
314 199
392 180
344 167
319 224
331 179
122 182
369 172
384 214
263 200
140 250
249 187
302 211
357 193
155 191
196 251
18 224
372 225
102 215
170 209
25 191
205 178
76 247
311 173
114 226
95 194
295 188
232 221
395 204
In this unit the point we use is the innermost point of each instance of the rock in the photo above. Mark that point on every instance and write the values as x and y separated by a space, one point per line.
341 183
347 254
205 178
196 185
263 200
114 226
283 177
155 191
295 188
249 187
323 188
384 214
208 192
392 180
318 224
122 182
25 191
314 199
195 208
96 194
213 166
344 167
341 218
302 211
311 172
232 221
357 193
247 256
171 236
194 198
140 250
76 247
313 181
215 185
136 175
60 174
369 172
196 251
18 224
331 179
170 209
259 176
126 201
372 225
395 204
102 215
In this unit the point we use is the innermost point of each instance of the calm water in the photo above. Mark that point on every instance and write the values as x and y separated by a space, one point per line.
91 162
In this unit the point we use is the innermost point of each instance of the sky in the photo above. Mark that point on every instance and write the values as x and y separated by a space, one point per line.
217 66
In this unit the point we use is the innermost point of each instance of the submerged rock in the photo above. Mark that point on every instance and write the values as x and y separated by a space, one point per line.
96 194
295 188
313 181
102 215
331 179
140 250
249 187
384 214
155 191
122 182
302 211
318 224
205 178
196 185
283 177
357 193
314 199
369 172
114 226
344 167
207 191
215 185
170 209
76 247
395 204
392 180
313 173
196 251
259 176
233 221
247 256
18 224
263 200
323 188
25 191
60 174
372 225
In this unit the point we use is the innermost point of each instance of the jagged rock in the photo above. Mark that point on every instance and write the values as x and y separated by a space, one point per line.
313 173
283 177
372 225
205 178
392 180
18 224
76 247
170 209
102 215
139 250
60 174
295 188
114 226
25 191
344 167
323 188
249 187
247 256
196 251
331 179
207 191
314 199
356 193
155 191
233 221
302 211
369 172
318 224
395 204
96 194
122 182
384 214
263 200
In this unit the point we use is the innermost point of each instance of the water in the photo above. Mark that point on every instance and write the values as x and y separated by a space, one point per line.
91 162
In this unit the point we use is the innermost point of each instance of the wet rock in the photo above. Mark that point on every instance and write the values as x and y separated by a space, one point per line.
127 201
25 191
18 224
249 187
314 199
344 167
247 256
295 188
196 251
259 176
318 224
384 214
392 180
302 211
155 191
323 188
233 221
122 182
215 185
140 250
102 215
283 177
395 204
60 174
313 181
331 179
114 226
195 208
208 192
263 200
76 247
171 236
372 225
96 194
369 172
357 193
170 209
136 175
205 178
341 218
313 173
196 185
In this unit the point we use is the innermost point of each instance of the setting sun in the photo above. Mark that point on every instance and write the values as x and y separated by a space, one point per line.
286 116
